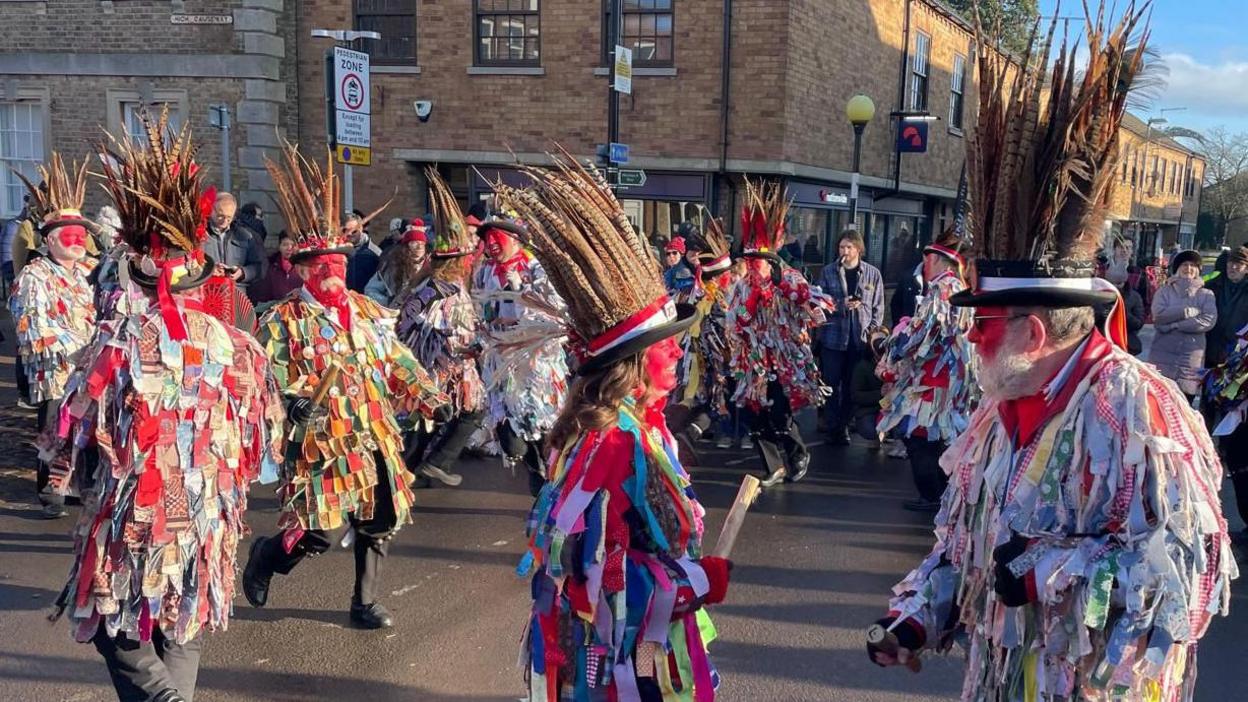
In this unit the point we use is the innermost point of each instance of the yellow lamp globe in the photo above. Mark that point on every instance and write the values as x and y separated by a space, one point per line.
860 110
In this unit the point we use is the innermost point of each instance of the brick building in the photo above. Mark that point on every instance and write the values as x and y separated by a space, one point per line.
1156 194
70 67
763 94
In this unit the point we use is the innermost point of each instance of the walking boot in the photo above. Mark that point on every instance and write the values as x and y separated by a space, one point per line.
800 466
431 471
370 616
256 577
773 477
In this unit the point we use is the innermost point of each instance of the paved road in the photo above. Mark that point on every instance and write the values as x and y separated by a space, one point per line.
813 568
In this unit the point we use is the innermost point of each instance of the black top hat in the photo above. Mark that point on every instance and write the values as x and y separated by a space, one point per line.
1044 283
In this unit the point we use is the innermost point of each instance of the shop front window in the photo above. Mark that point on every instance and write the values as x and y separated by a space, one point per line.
661 219
902 253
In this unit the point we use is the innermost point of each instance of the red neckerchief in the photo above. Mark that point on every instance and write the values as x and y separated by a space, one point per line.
340 304
502 268
1024 417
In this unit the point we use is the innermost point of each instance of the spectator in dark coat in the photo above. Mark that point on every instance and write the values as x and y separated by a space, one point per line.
1230 291
1133 305
362 266
281 279
231 246
251 216
906 295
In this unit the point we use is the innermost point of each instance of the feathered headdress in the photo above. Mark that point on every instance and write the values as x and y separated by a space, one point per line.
1041 159
57 202
599 264
762 219
158 191
451 238
713 243
311 203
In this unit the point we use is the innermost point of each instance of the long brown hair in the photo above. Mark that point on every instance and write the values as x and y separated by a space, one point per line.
594 400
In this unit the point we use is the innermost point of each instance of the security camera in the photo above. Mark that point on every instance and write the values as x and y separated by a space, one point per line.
424 108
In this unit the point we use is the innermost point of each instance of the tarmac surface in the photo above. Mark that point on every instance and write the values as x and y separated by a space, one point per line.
814 567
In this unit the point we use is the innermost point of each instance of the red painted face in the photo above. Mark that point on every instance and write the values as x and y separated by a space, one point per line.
325 277
989 330
497 243
758 267
68 243
660 365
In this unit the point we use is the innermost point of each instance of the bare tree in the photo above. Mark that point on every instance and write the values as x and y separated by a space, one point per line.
1226 178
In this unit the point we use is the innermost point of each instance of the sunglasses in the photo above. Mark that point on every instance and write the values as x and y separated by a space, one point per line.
981 318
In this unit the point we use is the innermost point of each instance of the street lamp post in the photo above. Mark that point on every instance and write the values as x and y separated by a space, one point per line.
860 110
346 38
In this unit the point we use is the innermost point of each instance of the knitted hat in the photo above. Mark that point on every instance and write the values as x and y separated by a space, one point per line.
677 245
762 219
57 201
310 202
1239 255
1188 256
597 262
451 238
1040 163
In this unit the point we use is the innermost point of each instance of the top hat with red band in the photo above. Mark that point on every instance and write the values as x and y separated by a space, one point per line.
1053 284
946 252
648 326
712 265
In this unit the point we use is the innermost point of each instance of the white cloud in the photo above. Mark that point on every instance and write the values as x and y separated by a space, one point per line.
1210 92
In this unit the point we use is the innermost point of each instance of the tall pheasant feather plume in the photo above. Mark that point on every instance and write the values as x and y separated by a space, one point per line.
1042 155
157 187
763 215
450 227
597 261
61 188
712 239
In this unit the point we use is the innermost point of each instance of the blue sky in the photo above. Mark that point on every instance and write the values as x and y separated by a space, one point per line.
1204 46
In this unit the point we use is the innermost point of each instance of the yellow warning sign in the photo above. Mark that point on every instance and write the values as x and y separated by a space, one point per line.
354 155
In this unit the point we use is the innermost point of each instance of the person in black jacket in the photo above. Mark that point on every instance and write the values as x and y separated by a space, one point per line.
1134 307
1230 289
906 295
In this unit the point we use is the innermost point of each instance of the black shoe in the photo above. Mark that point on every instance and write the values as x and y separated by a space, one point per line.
839 437
693 433
536 483
169 695
800 466
421 482
922 505
774 477
53 511
255 581
370 616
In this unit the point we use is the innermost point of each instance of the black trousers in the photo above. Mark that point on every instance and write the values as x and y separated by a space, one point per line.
519 450
1234 450
43 472
776 436
443 446
372 542
838 373
929 479
19 372
140 671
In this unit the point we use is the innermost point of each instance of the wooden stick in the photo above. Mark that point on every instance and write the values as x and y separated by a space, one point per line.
327 381
746 494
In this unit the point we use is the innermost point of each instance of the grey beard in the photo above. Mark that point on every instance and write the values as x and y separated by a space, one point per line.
1006 377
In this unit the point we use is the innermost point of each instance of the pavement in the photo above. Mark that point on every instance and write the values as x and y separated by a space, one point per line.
814 565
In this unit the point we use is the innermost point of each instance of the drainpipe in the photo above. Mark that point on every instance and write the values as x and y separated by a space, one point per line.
725 84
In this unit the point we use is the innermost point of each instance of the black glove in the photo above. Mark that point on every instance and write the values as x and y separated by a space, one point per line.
443 413
299 409
1012 591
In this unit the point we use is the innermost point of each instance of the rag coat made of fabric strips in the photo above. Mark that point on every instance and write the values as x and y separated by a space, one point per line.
330 470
